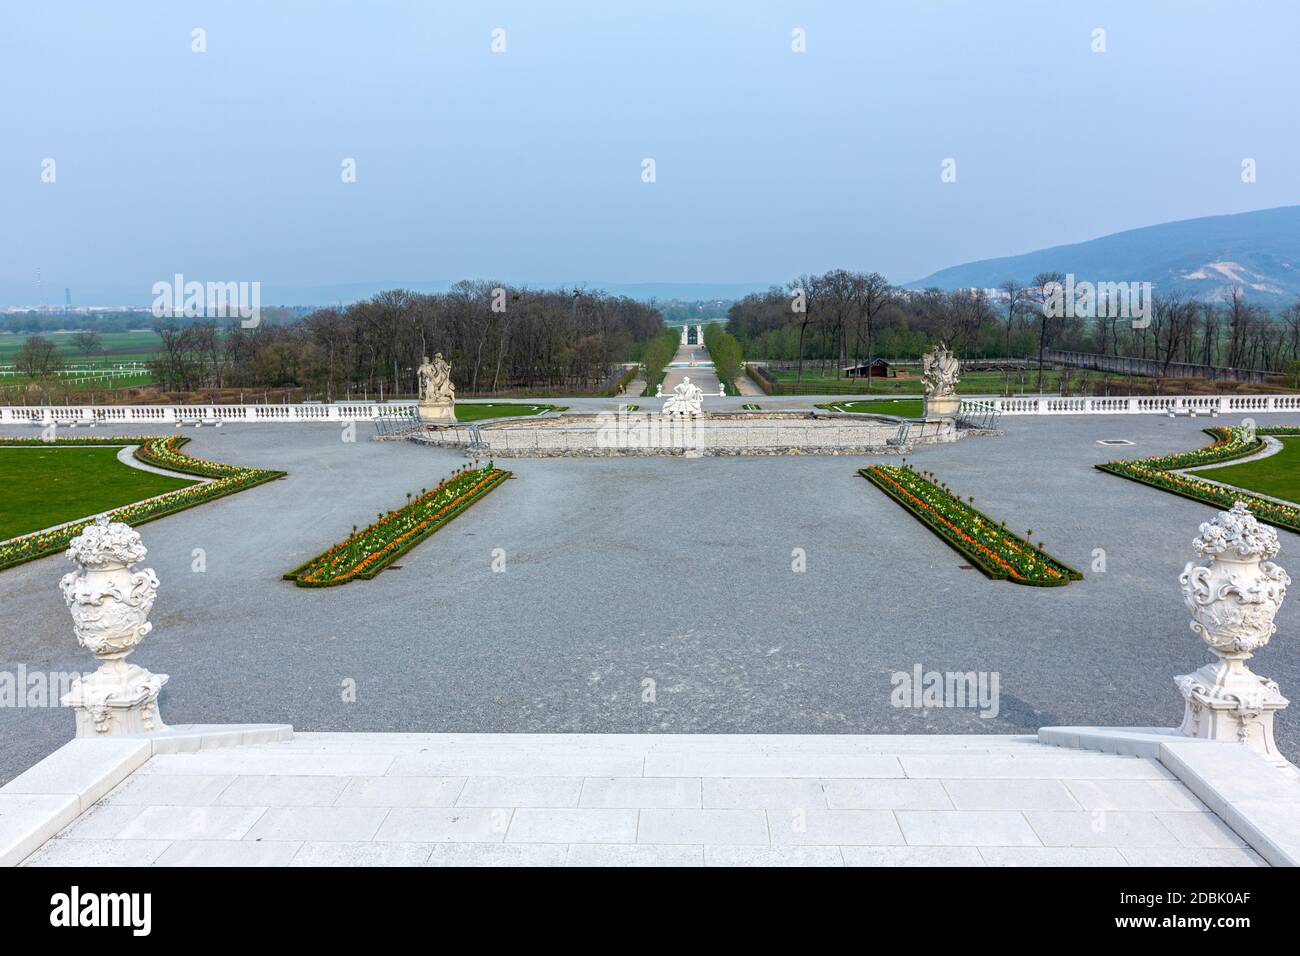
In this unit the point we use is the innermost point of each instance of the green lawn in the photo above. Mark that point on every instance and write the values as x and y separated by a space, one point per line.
478 412
136 346
901 407
44 486
1278 475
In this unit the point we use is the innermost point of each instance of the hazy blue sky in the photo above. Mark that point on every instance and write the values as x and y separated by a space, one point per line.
526 166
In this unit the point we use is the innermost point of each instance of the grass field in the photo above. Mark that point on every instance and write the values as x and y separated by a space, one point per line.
48 486
1277 476
900 407
136 346
478 412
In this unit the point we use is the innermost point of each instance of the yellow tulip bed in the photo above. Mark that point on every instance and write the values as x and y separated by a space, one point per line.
162 452
369 551
989 546
1229 443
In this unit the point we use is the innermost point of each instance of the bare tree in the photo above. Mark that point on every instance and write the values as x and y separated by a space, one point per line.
1043 283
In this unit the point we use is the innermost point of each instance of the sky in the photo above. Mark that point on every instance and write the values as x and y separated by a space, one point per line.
528 165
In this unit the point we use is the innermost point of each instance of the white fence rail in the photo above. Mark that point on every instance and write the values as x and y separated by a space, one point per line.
368 411
1142 405
194 414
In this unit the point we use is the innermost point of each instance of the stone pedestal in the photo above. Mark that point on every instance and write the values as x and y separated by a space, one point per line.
1227 701
119 698
1233 601
439 413
942 406
110 605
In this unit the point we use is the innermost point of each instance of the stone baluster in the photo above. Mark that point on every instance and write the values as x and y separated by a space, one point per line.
110 605
1233 601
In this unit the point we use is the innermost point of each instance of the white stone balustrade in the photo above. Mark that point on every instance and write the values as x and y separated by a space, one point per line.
85 415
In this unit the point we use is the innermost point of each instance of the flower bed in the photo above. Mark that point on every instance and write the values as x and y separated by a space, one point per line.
369 551
162 452
989 546
1229 444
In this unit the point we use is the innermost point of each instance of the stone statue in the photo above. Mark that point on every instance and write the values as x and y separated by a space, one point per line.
940 372
435 380
437 393
686 399
1233 601
110 604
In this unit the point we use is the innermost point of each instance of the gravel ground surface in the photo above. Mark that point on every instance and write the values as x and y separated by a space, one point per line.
623 571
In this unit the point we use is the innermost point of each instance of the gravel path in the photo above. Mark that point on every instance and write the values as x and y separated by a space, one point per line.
620 572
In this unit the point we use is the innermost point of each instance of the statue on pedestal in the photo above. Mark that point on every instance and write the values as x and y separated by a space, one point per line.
437 393
686 399
940 372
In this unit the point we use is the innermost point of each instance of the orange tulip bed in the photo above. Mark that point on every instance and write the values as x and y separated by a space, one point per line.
369 551
1229 444
162 452
989 546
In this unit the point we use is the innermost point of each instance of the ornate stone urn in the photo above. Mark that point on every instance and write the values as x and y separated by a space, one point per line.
110 605
1233 601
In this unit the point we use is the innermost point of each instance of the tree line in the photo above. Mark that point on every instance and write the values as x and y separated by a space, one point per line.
845 318
725 351
497 339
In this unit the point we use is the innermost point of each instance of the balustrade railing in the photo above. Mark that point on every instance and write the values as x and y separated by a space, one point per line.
75 415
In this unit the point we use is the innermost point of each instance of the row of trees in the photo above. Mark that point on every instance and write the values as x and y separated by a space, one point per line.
497 340
847 317
725 352
656 355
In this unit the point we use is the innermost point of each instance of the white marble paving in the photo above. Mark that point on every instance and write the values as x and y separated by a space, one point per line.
655 800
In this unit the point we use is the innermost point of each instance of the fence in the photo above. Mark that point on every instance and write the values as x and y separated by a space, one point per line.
74 415
849 386
1141 405
196 414
1149 368
976 414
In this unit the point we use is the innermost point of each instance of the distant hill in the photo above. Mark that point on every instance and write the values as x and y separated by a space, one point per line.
1259 251
644 291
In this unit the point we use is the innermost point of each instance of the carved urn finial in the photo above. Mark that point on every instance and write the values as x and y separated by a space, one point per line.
110 605
1233 601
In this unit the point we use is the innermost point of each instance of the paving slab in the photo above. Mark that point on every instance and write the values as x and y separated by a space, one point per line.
339 800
